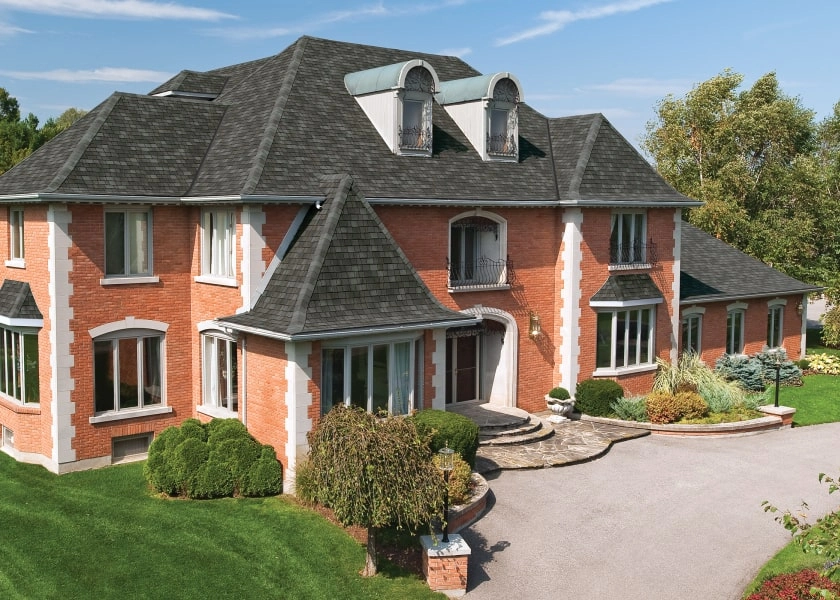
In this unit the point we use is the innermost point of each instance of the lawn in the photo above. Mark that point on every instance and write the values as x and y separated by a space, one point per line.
816 401
101 534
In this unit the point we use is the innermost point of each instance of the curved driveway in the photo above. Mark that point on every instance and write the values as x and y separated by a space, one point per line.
655 518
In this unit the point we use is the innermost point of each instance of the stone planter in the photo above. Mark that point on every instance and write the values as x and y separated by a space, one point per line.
561 409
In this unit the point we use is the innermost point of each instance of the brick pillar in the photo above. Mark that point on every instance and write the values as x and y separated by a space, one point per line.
445 564
785 413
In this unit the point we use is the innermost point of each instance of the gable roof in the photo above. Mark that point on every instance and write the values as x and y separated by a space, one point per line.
343 274
280 123
712 270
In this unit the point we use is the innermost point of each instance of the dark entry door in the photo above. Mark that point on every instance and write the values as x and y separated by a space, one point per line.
461 368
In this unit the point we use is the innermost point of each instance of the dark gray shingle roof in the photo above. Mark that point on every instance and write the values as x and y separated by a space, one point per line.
628 288
343 272
711 269
17 302
281 122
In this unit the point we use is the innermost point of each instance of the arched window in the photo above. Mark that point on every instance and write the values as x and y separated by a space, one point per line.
219 372
477 251
503 124
415 133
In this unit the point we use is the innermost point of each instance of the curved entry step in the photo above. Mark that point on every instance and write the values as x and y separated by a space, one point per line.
503 425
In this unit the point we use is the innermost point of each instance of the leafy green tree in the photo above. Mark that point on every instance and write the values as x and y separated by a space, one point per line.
760 163
372 472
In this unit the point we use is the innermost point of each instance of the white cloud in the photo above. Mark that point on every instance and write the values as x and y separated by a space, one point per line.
459 52
131 9
88 76
555 20
642 87
7 30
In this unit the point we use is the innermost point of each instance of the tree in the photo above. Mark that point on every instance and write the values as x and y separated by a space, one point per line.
21 137
760 163
372 472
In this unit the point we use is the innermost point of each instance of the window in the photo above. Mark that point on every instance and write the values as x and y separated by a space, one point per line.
16 234
128 243
735 331
692 327
375 377
219 372
476 251
502 115
625 338
218 248
19 368
128 370
775 318
415 133
627 239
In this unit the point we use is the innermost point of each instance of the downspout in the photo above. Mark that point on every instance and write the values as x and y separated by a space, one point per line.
244 379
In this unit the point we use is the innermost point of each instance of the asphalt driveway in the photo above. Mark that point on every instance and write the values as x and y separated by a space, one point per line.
656 518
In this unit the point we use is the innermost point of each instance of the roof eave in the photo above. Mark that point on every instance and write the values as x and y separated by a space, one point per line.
343 333
723 297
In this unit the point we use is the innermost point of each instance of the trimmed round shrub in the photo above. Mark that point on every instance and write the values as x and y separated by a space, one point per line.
595 397
212 461
460 479
559 393
265 477
448 428
794 586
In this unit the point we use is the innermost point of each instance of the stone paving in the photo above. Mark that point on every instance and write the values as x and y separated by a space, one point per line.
572 442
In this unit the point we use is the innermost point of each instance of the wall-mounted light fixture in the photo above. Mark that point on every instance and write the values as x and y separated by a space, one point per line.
534 327
800 309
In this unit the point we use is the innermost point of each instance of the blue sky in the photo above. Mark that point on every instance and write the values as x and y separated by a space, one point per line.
618 57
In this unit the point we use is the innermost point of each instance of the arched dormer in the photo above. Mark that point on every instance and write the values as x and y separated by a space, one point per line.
398 101
486 108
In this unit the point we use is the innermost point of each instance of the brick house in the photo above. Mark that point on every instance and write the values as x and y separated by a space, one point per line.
344 224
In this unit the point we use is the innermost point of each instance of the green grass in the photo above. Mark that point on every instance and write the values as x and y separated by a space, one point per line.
790 559
816 401
814 345
101 534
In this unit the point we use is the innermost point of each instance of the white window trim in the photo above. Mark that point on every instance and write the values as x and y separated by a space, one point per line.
736 307
651 365
149 247
686 317
16 263
129 280
209 409
502 222
131 328
16 236
207 276
21 327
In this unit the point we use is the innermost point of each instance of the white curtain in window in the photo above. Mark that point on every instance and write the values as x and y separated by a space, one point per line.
402 378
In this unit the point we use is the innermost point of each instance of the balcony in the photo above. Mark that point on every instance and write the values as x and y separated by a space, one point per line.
632 255
416 138
483 274
502 145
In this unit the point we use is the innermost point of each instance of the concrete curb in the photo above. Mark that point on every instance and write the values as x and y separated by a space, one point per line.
749 427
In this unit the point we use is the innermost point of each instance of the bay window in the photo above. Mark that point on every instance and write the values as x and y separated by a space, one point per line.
19 367
625 338
375 377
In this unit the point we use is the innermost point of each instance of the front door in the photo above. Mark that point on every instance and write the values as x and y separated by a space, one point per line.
462 368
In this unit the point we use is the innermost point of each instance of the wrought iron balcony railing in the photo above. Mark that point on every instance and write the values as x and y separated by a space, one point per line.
501 145
633 253
416 138
482 273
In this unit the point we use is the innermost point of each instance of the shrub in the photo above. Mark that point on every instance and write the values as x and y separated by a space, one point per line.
460 479
448 428
306 482
663 407
595 396
803 363
748 372
794 586
831 327
789 373
559 393
211 461
631 409
824 363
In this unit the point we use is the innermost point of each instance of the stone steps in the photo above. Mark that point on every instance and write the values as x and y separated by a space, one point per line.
522 430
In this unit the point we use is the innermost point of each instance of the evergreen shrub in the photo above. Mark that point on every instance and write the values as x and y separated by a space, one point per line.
595 397
442 428
559 393
789 373
748 372
212 461
460 479
631 409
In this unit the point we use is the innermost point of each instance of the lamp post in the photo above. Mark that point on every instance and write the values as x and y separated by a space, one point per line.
447 463
778 366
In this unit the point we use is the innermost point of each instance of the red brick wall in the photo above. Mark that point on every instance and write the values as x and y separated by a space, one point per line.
533 244
31 424
595 250
713 336
266 393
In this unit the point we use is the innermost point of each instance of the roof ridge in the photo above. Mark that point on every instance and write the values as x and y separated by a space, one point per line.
84 142
585 154
274 118
334 206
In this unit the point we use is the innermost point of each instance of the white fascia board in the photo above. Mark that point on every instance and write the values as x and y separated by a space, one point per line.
624 304
22 323
548 203
346 332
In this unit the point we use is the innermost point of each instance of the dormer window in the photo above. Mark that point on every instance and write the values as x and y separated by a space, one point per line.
398 101
486 109
503 129
416 130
